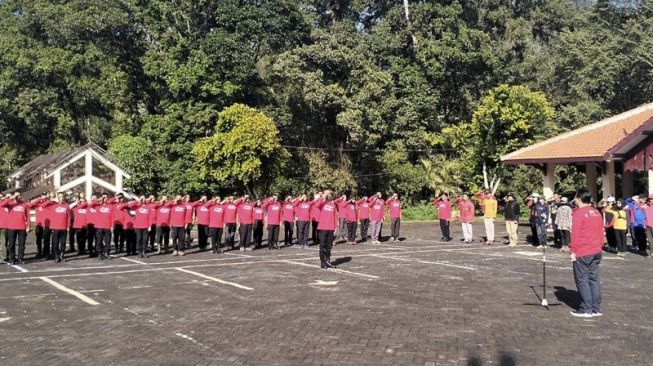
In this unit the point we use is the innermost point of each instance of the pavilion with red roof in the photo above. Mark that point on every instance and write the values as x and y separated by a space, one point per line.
620 145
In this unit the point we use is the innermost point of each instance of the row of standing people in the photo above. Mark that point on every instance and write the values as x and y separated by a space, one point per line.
143 222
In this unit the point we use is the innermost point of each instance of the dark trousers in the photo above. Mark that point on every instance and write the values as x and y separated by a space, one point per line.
640 238
258 233
4 239
303 227
534 237
273 235
342 228
365 226
231 235
395 224
351 231
565 237
59 243
621 240
47 239
90 238
610 237
444 229
71 242
151 237
163 237
216 237
245 232
102 241
130 240
118 238
178 235
314 231
187 232
287 231
586 275
649 234
80 238
38 232
202 236
326 243
16 245
142 236
540 228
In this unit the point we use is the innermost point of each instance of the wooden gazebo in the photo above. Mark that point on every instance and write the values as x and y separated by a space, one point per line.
620 145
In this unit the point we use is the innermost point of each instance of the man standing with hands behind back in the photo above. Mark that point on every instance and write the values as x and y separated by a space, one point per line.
586 246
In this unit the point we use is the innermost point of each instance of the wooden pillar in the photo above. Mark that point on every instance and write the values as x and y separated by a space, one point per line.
590 180
627 187
548 180
608 180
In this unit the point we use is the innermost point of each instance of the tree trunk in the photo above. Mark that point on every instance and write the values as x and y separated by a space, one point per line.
407 12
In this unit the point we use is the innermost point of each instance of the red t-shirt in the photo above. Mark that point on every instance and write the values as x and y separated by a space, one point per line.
245 213
341 208
40 209
18 215
351 213
328 216
315 209
80 216
142 215
288 212
466 211
363 209
303 210
444 209
202 213
395 208
60 217
104 216
378 210
216 216
178 215
273 210
258 213
163 214
4 215
587 232
230 212
190 208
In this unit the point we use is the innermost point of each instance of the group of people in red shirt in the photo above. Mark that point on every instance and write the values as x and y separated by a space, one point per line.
141 223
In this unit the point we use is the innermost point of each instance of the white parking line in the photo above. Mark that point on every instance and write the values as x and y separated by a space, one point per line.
134 260
215 279
65 289
331 270
19 268
427 262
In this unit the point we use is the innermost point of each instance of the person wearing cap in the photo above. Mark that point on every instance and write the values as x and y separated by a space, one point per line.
563 223
620 227
511 215
531 201
541 218
637 222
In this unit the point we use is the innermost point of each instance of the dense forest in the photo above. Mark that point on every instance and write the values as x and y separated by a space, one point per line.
257 96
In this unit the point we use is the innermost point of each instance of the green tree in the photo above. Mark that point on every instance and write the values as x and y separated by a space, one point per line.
244 150
137 156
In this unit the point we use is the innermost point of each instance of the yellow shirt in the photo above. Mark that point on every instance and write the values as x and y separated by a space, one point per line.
490 208
620 221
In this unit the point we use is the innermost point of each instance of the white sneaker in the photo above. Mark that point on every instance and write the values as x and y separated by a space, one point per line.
581 315
597 313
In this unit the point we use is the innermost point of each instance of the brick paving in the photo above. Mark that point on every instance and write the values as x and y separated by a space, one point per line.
418 302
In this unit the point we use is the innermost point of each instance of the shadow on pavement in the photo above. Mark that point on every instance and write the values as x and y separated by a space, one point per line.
340 261
569 297
504 359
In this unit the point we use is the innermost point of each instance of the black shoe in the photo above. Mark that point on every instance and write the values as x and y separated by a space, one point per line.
20 262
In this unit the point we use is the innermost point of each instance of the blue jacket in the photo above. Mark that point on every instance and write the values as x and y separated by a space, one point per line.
637 213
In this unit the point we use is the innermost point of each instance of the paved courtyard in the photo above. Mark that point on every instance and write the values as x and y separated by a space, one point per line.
415 302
